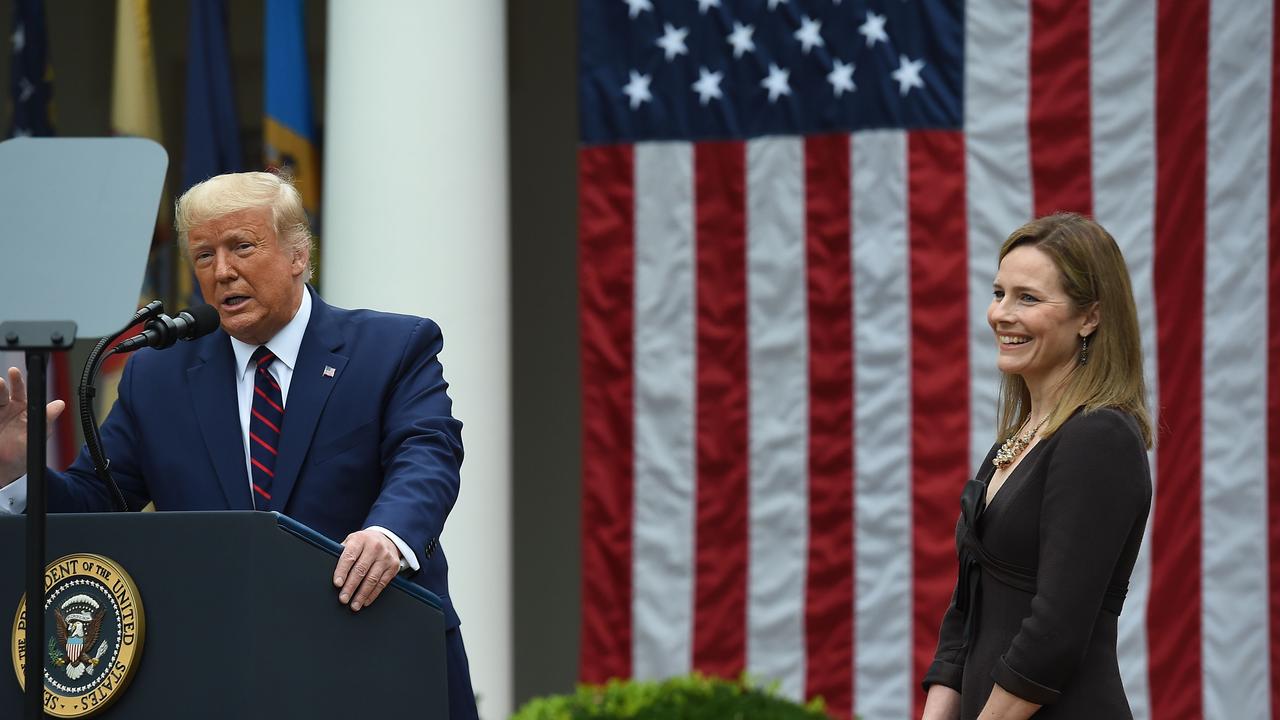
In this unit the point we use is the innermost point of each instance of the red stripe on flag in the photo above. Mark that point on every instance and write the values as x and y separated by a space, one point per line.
720 585
606 281
1058 119
829 627
1174 607
939 378
1273 368
63 427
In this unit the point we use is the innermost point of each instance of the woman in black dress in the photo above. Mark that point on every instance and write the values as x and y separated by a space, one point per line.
1050 526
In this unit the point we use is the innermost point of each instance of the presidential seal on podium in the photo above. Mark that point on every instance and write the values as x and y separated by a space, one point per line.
95 627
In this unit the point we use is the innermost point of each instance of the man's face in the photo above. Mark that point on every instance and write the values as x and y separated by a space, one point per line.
244 272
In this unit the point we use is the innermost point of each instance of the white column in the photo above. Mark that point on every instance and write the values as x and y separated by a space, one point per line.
415 220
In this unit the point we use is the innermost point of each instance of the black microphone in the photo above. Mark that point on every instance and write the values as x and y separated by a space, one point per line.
164 331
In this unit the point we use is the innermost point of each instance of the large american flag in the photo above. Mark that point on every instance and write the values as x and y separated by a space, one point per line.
789 217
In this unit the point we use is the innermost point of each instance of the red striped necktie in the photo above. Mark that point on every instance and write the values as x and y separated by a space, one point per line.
265 420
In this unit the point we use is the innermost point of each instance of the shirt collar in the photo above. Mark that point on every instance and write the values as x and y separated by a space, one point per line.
286 343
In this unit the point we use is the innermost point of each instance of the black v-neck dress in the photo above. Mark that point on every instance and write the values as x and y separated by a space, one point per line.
1037 612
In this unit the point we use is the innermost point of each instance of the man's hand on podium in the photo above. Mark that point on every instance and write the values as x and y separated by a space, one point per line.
13 426
368 563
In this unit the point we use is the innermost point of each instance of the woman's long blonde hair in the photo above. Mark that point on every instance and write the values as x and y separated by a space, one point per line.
1092 271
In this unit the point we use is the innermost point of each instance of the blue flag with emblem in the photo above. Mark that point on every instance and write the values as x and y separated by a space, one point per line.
288 128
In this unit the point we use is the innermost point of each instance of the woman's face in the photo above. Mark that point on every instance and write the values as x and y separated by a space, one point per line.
1037 327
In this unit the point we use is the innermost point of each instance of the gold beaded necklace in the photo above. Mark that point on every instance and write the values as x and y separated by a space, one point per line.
1016 443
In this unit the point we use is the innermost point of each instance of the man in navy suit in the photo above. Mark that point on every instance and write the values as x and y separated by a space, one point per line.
342 422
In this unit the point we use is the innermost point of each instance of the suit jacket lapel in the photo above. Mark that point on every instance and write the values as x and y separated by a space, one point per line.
213 392
317 371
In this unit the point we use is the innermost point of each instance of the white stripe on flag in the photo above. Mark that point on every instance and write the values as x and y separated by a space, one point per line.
1122 62
778 362
1235 612
663 542
883 686
998 179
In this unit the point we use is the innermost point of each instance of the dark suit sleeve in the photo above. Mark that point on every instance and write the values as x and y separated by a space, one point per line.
421 447
79 489
1096 491
948 662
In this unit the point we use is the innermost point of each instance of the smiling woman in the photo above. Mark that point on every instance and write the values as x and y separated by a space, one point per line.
1051 525
1077 291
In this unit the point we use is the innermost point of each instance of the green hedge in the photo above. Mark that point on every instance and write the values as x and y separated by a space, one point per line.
693 697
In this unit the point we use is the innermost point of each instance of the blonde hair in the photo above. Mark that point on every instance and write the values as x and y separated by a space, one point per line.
1092 271
224 194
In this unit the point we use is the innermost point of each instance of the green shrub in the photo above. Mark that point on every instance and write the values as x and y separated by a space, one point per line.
692 697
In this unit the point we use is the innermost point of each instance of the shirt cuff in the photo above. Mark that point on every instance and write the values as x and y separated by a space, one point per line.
13 497
409 560
1022 686
942 672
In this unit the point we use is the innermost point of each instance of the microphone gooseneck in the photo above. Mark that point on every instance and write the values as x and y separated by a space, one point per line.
86 392
161 331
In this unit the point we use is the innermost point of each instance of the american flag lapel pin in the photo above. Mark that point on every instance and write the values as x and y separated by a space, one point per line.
328 371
